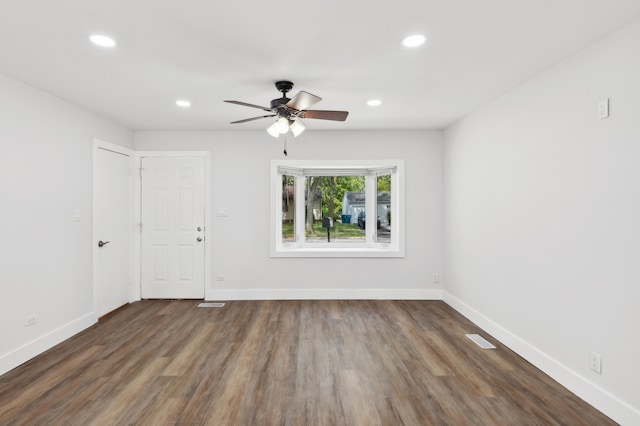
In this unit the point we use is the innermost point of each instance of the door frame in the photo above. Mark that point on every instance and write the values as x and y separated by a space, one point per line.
137 213
117 149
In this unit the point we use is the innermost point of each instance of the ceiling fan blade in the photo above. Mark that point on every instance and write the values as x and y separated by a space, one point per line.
325 115
251 119
250 105
303 100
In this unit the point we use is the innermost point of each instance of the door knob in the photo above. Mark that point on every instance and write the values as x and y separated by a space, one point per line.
102 243
199 239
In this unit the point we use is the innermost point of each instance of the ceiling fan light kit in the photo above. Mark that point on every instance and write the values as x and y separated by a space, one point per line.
296 127
273 130
289 111
283 125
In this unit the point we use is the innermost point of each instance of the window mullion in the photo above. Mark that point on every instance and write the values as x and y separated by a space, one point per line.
300 209
278 208
370 209
395 210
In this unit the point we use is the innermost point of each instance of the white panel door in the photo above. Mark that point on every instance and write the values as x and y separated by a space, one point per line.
172 242
111 225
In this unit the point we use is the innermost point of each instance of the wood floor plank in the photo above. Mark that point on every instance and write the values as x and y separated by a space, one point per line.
189 352
333 362
356 399
137 389
40 387
166 412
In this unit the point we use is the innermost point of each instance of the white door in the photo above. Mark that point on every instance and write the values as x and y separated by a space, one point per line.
172 241
111 225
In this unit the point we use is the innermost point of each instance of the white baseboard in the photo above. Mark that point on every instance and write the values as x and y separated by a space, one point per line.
601 399
24 353
324 294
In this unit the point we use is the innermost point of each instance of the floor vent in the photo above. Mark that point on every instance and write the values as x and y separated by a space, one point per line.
211 305
480 341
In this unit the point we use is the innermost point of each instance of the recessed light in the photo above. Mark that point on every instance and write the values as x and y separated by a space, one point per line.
102 40
374 102
183 103
414 40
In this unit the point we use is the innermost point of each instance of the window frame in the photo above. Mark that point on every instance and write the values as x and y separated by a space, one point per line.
371 169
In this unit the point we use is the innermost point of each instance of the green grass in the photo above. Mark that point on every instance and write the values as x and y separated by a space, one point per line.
339 230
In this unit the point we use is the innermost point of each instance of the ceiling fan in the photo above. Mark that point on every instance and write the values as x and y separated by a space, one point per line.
289 111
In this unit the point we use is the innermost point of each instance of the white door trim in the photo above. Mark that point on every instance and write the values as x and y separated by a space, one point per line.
101 144
137 206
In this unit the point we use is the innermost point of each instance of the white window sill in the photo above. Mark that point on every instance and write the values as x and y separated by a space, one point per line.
335 252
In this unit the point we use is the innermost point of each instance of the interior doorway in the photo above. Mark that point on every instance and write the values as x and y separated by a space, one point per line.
112 230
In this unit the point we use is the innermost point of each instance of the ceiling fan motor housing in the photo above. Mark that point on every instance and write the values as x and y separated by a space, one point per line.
279 102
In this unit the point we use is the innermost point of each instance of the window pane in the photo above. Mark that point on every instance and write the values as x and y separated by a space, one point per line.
383 209
288 209
339 198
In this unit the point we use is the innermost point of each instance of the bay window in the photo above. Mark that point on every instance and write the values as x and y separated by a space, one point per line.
337 208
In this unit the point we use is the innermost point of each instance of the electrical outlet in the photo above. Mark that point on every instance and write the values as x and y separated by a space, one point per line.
30 320
595 362
219 277
436 278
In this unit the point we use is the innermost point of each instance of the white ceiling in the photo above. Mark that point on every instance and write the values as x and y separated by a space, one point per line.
346 51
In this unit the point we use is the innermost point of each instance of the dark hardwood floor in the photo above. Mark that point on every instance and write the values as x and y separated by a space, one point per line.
285 363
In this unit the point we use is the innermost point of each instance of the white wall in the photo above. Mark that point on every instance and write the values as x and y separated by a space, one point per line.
542 221
45 256
241 183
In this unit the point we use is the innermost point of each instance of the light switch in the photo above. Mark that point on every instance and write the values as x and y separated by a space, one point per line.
603 108
76 215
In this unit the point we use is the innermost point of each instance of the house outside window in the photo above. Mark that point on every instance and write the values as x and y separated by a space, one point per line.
337 208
